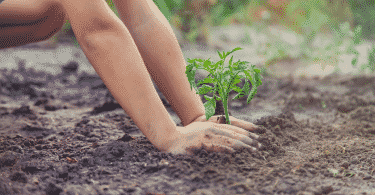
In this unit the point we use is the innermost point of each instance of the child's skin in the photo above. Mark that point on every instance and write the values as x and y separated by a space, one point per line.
124 52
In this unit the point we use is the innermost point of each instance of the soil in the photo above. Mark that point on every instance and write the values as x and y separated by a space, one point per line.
65 134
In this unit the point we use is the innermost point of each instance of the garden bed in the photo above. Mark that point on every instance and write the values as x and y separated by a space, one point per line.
65 134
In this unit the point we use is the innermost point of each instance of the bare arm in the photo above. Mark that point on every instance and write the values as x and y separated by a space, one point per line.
162 54
114 55
112 52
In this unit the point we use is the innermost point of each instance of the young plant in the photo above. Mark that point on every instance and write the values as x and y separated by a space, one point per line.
224 79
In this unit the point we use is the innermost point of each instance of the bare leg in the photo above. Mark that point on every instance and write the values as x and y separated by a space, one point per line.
23 22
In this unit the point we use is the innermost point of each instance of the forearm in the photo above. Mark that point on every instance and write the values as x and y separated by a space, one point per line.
117 61
163 57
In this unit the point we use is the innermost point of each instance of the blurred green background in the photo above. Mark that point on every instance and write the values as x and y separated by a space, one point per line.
353 19
302 16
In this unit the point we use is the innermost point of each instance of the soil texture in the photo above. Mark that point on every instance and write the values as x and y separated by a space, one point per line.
65 134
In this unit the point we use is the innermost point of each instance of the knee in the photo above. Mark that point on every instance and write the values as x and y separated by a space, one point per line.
53 20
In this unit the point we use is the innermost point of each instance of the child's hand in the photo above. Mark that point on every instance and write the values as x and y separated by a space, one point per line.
216 137
236 122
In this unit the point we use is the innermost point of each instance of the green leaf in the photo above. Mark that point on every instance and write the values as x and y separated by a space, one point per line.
190 73
207 65
206 80
224 79
253 91
221 57
209 107
255 82
222 91
230 61
243 65
236 80
244 91
235 49
237 89
208 98
189 68
204 89
239 95
248 75
235 65
252 94
257 78
217 64
218 98
212 66
196 65
246 88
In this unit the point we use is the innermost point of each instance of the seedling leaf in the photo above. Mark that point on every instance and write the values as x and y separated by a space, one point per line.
206 80
224 79
230 61
204 89
209 107
221 57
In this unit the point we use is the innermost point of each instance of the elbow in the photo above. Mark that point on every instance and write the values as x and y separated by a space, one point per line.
100 33
100 40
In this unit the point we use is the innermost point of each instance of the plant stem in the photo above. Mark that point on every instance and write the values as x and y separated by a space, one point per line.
219 110
225 104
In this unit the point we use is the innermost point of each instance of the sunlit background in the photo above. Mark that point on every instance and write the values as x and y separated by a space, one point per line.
330 33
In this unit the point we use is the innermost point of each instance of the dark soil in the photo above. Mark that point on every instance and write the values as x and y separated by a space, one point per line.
65 134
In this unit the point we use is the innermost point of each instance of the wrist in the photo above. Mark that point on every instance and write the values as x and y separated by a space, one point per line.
165 138
161 131
193 120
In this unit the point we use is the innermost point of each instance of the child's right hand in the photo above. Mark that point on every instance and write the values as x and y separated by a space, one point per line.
216 137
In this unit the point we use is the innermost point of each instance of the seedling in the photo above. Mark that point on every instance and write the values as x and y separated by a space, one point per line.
224 79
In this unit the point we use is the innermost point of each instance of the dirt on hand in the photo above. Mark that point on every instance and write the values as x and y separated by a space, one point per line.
66 134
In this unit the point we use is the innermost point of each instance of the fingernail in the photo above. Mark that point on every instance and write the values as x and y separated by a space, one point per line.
254 135
254 149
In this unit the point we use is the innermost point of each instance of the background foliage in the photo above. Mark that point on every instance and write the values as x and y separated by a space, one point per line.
303 16
353 19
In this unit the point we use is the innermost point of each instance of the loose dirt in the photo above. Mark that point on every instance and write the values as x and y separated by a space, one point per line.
65 134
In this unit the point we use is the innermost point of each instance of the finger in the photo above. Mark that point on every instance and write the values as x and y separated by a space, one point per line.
249 141
234 140
237 144
253 135
247 133
219 148
233 129
243 124
240 144
244 127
